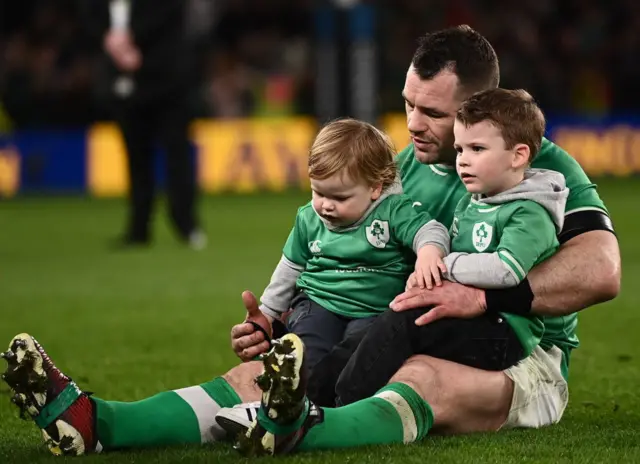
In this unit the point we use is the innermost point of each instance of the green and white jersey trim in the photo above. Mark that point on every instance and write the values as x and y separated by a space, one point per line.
512 265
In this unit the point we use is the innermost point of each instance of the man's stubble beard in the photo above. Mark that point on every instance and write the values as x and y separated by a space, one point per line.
447 155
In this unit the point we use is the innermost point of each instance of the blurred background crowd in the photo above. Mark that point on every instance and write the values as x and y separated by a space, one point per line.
255 57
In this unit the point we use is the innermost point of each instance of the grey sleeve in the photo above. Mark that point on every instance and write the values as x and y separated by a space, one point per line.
482 270
432 233
277 297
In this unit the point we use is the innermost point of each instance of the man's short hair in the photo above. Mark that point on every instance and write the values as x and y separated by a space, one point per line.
513 112
363 151
461 50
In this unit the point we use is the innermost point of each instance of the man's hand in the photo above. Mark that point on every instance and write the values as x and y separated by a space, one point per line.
246 341
122 50
449 300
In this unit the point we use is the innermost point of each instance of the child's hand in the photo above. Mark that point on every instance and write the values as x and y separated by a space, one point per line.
428 267
412 281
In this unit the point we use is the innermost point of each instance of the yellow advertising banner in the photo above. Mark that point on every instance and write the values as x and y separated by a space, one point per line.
613 150
396 126
253 155
106 161
9 171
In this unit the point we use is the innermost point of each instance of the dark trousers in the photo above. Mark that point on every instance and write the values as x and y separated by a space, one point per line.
324 332
486 342
165 121
321 330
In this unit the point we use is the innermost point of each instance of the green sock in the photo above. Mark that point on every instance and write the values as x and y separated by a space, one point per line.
396 414
169 418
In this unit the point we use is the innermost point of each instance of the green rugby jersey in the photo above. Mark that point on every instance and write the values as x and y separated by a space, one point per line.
437 189
353 271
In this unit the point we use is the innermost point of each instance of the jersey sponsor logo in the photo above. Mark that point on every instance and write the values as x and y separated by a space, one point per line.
314 247
358 269
481 236
454 226
378 233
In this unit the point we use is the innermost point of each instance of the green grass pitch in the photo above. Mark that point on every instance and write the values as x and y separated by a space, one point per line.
131 324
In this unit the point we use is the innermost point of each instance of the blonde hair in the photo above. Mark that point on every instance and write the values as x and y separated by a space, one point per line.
363 151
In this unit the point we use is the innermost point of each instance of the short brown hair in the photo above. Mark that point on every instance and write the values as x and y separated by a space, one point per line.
514 112
461 50
365 152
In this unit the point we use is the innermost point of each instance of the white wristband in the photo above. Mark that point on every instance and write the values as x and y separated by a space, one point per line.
120 10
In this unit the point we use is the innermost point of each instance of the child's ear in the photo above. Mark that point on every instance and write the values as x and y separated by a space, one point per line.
376 191
521 155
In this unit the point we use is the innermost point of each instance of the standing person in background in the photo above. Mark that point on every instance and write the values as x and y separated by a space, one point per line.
148 83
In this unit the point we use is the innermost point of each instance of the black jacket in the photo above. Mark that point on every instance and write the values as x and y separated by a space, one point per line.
158 29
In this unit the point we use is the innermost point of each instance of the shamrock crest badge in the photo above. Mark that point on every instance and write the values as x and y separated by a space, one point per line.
378 233
482 234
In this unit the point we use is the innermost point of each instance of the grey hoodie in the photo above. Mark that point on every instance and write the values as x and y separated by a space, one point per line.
486 270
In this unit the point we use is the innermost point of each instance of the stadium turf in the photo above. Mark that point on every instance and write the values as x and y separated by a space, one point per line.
127 325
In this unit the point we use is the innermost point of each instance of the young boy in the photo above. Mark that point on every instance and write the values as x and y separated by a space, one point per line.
506 225
353 246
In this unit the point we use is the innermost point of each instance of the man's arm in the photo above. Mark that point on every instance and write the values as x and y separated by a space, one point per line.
585 271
